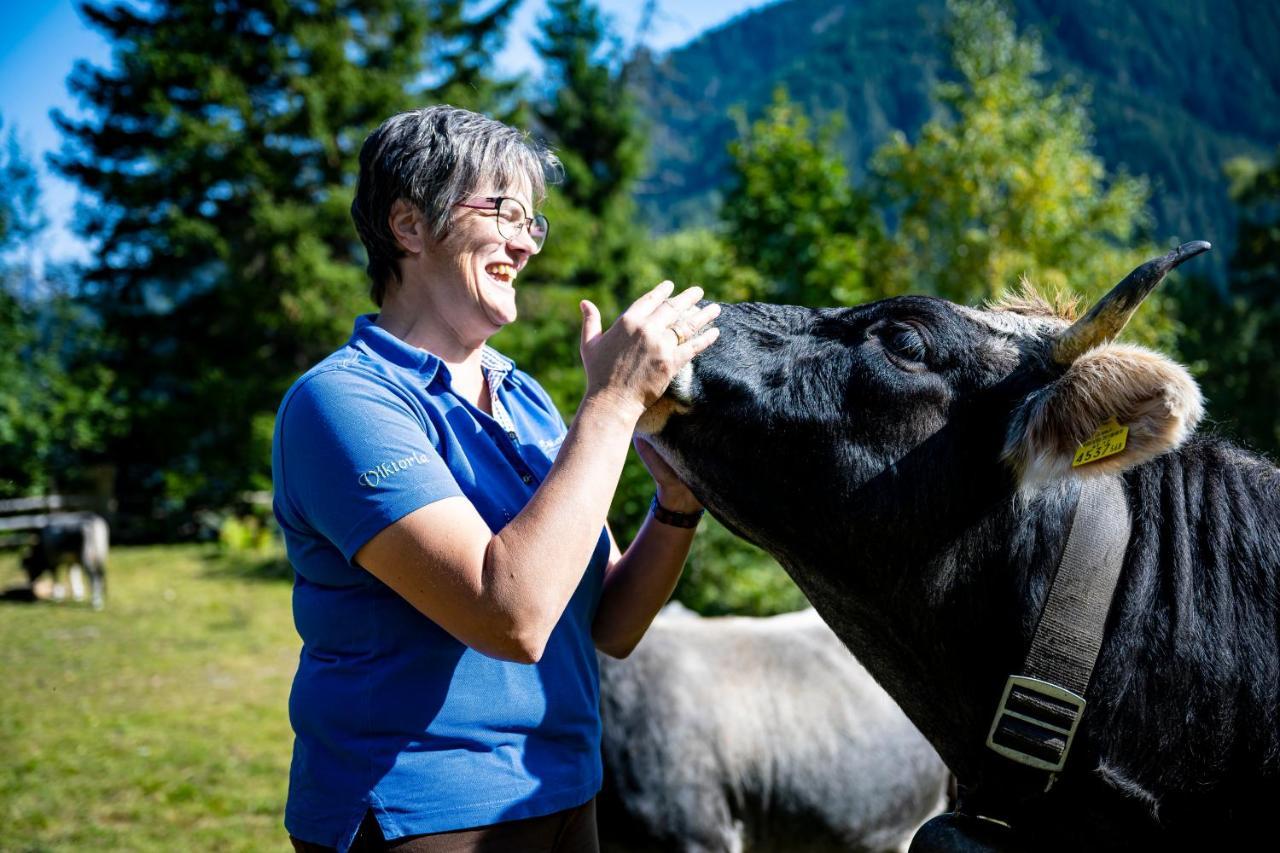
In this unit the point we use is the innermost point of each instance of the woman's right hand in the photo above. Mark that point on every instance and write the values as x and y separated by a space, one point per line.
635 360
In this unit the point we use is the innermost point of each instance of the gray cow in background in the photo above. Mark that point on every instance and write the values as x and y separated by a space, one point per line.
79 540
744 734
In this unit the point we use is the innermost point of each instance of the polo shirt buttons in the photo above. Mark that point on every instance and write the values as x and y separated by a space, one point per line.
526 478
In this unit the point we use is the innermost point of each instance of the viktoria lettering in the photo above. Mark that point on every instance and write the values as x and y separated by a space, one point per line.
377 474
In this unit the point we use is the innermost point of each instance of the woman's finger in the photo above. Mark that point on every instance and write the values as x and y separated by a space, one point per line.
590 321
694 321
671 309
686 351
643 307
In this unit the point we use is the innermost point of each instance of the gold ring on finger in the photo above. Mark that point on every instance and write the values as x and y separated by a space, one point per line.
681 337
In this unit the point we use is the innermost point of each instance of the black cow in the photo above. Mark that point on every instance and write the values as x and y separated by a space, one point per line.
732 734
909 462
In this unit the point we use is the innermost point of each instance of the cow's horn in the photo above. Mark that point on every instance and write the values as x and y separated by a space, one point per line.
1109 314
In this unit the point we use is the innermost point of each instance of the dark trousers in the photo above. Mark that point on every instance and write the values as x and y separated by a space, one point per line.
569 831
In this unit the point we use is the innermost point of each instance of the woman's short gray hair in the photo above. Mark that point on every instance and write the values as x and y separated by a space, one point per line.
434 158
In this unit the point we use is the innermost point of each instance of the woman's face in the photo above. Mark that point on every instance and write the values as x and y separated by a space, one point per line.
473 270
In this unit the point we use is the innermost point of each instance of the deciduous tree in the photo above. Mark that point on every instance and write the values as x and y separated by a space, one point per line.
792 214
1007 184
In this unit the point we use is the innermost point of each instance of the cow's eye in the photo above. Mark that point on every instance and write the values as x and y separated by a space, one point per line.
904 342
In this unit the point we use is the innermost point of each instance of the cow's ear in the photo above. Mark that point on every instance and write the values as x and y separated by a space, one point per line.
1117 406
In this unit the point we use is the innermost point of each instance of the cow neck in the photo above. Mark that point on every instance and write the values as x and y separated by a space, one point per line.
1040 710
896 594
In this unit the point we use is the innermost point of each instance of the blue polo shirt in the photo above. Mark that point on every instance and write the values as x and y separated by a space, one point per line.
389 711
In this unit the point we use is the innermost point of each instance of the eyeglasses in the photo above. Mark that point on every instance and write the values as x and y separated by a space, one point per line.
511 217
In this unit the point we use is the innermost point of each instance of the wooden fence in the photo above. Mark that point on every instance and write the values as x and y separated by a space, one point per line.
20 517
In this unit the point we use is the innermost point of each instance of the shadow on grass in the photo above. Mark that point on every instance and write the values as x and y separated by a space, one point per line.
19 594
25 595
250 567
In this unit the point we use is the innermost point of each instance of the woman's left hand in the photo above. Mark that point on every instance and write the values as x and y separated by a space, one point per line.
673 494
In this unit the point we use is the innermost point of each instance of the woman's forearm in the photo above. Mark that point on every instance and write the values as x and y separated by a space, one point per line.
534 564
638 586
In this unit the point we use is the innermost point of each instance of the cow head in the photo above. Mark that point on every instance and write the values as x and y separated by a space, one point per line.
910 463
889 428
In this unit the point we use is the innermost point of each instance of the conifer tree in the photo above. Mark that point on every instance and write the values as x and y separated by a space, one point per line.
21 215
590 116
222 154
585 111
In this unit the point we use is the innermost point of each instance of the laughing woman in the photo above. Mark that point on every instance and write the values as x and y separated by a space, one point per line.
454 575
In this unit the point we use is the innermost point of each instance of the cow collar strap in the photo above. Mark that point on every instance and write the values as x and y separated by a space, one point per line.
1041 708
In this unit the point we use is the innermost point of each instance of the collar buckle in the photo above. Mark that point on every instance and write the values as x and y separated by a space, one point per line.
1035 723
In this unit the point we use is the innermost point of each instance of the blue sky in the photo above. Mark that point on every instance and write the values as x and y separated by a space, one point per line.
40 41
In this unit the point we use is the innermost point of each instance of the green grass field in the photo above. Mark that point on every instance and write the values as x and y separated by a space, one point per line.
157 724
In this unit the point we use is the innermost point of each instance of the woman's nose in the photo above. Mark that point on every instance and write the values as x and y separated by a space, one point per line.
523 242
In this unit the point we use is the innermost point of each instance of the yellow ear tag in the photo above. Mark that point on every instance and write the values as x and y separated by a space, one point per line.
1107 440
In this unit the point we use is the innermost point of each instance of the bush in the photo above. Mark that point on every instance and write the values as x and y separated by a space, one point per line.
247 534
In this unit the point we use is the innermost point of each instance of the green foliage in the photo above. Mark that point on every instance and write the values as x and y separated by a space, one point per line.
1007 186
246 534
1233 338
56 405
598 251
223 149
57 409
792 229
792 214
726 575
460 48
704 257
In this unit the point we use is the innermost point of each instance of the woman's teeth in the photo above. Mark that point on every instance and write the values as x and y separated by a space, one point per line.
504 273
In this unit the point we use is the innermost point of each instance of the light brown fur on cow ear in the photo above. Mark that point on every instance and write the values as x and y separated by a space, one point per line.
1153 396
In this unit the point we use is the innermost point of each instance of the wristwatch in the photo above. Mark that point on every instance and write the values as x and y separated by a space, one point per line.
675 519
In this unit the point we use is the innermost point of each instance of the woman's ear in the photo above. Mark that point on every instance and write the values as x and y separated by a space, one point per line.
408 226
1066 428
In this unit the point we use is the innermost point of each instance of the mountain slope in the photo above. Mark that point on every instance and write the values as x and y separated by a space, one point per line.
1177 89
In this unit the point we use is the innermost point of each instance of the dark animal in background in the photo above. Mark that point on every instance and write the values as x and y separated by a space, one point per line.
910 463
741 734
82 541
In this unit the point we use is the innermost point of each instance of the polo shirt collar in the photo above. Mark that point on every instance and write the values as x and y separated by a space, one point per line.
497 367
367 335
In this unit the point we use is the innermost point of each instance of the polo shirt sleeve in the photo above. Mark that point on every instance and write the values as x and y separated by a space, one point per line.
355 456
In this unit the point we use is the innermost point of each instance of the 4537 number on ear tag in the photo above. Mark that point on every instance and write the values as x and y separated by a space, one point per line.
1107 440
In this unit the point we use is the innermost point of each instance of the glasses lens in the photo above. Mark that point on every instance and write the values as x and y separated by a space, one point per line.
538 229
510 217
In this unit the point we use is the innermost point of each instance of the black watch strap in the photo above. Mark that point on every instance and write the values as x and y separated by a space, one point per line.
687 520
